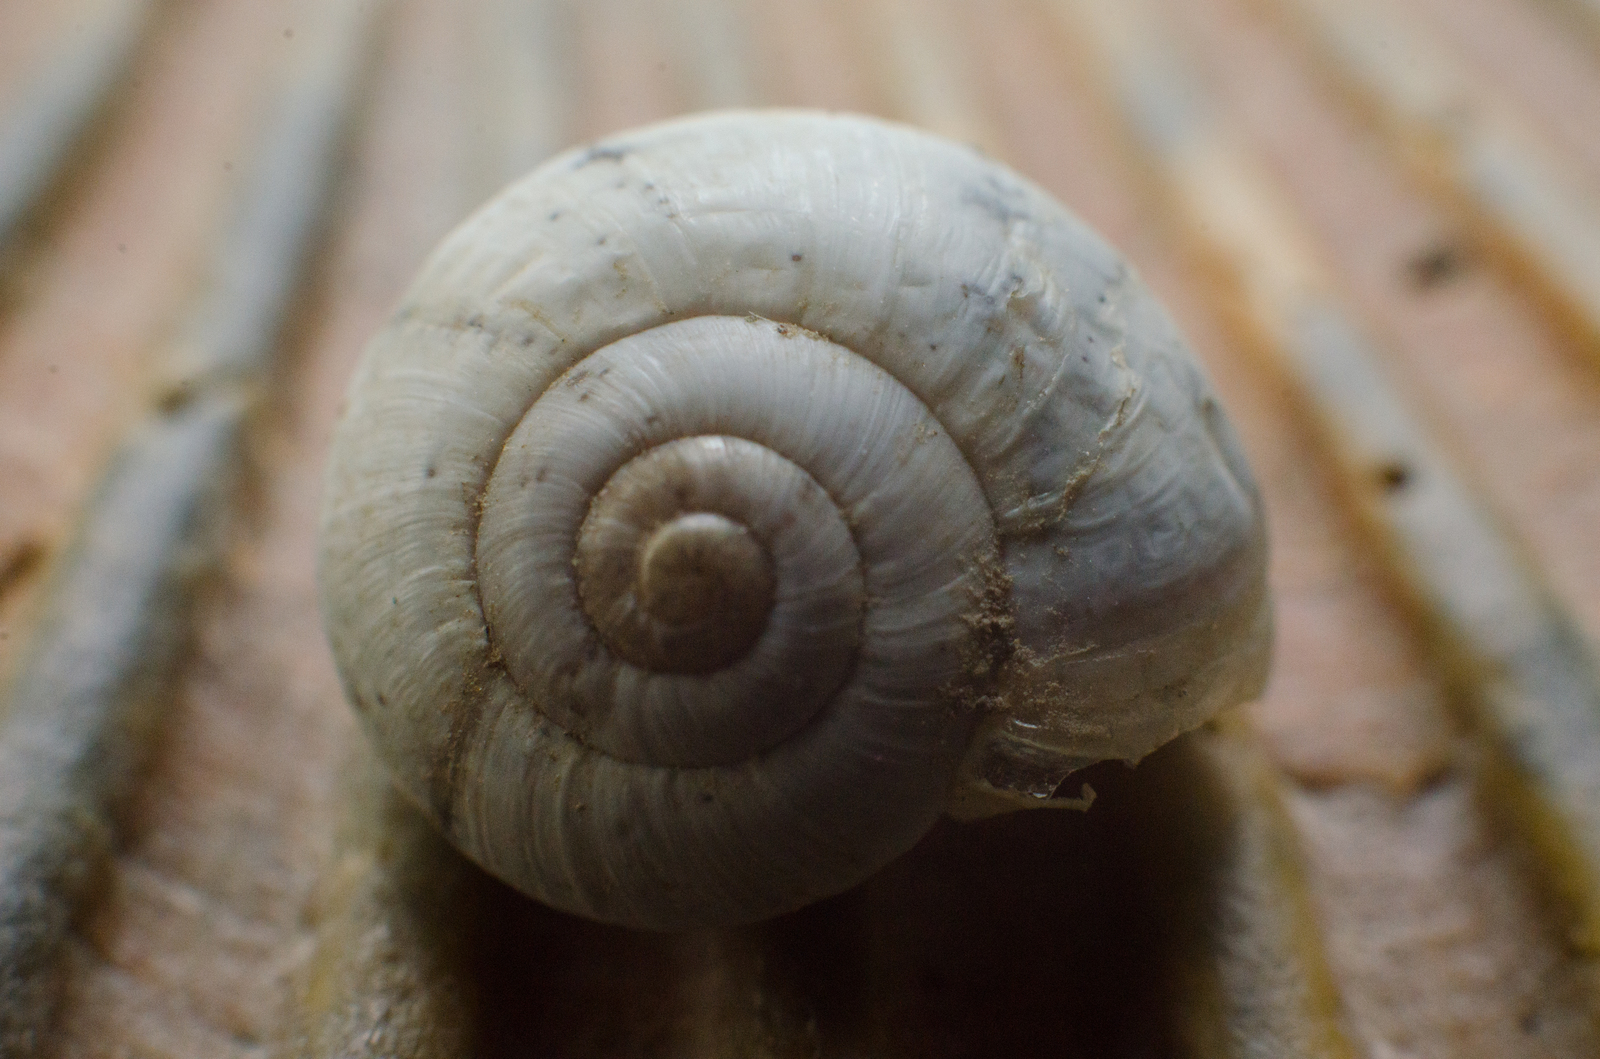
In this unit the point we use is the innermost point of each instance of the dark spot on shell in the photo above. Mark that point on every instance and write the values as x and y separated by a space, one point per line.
1001 201
555 215
430 471
797 257
969 290
601 153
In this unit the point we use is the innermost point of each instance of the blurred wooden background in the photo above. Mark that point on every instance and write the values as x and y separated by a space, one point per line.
1378 222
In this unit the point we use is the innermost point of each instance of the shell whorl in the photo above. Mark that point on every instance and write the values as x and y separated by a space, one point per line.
727 498
816 457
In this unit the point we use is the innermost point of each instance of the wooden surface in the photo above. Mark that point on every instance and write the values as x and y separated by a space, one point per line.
1394 854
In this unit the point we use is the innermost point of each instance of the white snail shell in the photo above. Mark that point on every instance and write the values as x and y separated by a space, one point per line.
728 500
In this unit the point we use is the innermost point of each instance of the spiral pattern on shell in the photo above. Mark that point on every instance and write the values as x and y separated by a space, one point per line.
727 497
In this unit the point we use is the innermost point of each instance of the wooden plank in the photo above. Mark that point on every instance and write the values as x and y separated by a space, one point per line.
95 298
85 704
1583 13
268 245
1518 195
925 75
709 41
1513 655
68 90
772 988
525 72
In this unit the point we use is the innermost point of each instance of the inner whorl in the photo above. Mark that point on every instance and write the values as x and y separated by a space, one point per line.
712 535
674 590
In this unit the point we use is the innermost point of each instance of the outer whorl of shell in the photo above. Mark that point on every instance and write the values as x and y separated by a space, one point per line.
728 500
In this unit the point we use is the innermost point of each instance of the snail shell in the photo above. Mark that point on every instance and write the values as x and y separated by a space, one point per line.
729 499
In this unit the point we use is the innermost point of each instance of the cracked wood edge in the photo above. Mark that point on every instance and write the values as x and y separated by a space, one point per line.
1516 193
85 703
71 87
1511 653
